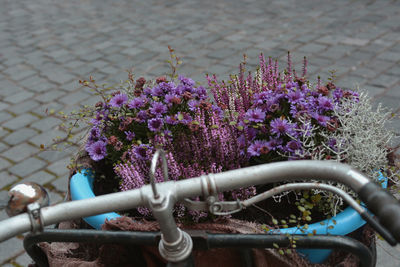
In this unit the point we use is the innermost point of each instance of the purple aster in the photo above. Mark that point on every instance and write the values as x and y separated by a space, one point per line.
275 144
255 115
118 100
193 104
97 150
295 96
218 111
155 124
158 108
167 87
172 98
324 103
129 135
142 115
141 151
321 119
183 117
258 147
293 146
281 126
201 92
157 91
94 134
137 102
251 133
171 120
337 94
186 81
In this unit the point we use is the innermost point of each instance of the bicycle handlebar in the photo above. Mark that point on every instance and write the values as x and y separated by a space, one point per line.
212 184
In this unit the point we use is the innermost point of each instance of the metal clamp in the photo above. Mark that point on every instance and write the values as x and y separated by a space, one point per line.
213 206
35 216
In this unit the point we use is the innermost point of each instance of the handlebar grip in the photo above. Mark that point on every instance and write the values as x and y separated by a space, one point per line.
384 206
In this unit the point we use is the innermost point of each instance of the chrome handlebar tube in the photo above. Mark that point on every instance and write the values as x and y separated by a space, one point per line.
207 185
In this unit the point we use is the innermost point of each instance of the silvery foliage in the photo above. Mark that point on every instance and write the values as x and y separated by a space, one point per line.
362 141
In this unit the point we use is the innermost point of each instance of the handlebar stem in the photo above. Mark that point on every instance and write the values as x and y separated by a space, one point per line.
175 245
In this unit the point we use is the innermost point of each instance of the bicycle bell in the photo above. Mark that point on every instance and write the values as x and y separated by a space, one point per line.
23 194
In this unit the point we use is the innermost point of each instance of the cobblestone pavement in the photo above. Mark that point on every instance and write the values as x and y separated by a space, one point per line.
46 46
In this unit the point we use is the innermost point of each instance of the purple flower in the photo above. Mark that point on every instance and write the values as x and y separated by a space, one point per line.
183 117
186 81
201 92
155 124
158 108
281 126
94 134
293 146
275 144
321 119
129 135
137 102
258 147
97 150
118 100
171 120
162 89
337 94
193 104
142 115
295 96
141 151
172 99
324 103
251 133
255 115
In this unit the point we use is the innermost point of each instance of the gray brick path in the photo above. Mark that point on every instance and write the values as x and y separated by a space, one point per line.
47 46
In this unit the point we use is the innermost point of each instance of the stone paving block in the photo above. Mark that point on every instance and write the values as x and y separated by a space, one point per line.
49 96
384 80
27 167
40 177
389 102
394 91
5 116
42 87
3 105
18 97
3 146
23 260
222 53
10 248
73 98
23 107
312 48
373 90
20 121
61 184
74 64
385 251
41 110
20 152
59 76
46 124
19 136
46 137
55 197
6 179
4 164
390 56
